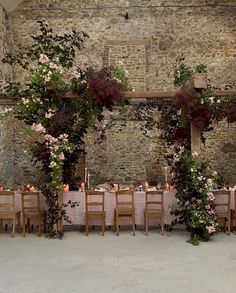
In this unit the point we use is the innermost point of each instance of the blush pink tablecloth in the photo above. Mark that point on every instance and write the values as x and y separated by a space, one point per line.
77 215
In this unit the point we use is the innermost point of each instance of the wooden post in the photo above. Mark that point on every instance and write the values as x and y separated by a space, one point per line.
195 139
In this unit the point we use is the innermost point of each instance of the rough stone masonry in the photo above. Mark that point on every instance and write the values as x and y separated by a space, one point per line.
147 37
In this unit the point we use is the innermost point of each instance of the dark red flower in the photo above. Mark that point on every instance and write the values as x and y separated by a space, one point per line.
104 90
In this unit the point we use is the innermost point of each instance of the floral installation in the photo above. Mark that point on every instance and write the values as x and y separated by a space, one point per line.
58 111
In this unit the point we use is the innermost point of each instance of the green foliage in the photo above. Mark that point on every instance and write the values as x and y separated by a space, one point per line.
62 47
201 68
182 72
120 76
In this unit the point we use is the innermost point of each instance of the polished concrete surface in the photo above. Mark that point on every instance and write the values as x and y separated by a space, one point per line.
127 263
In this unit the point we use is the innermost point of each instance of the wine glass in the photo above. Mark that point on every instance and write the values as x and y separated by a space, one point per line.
158 185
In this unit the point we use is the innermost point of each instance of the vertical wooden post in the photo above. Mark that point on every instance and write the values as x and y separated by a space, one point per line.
195 139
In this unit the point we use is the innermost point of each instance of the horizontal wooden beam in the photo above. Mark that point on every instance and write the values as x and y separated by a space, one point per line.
150 94
137 95
7 102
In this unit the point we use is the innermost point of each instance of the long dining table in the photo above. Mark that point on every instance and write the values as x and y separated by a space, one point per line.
77 214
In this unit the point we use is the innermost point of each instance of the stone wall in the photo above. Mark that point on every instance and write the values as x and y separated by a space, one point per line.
143 37
5 44
127 153
220 150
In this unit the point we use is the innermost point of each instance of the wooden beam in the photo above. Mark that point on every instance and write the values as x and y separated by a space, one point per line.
150 94
137 95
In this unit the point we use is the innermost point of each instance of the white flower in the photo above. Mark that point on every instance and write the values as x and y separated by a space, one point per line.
25 101
211 99
52 164
48 115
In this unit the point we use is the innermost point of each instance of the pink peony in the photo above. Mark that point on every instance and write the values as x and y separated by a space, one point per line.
43 59
211 229
38 127
61 157
75 74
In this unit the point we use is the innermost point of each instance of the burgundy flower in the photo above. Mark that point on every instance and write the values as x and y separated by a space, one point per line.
183 99
104 90
181 134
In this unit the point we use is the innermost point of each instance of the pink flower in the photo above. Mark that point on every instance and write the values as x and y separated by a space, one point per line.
75 74
61 157
211 229
43 59
38 127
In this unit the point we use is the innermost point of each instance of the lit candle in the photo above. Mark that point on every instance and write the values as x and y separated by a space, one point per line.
166 174
66 187
82 187
32 189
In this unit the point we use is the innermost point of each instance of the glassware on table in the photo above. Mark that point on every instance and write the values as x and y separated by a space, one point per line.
158 185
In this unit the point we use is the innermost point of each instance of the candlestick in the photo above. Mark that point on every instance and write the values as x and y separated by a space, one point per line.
89 181
166 175
85 174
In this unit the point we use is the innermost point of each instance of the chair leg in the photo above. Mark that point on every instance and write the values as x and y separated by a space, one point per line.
162 224
114 225
117 225
229 224
146 222
103 225
87 228
23 225
13 226
40 221
133 223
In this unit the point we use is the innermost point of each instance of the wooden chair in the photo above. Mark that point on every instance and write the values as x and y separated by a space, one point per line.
8 208
31 209
154 207
124 209
94 208
222 206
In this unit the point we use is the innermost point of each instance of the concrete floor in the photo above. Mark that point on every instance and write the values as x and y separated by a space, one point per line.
117 264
